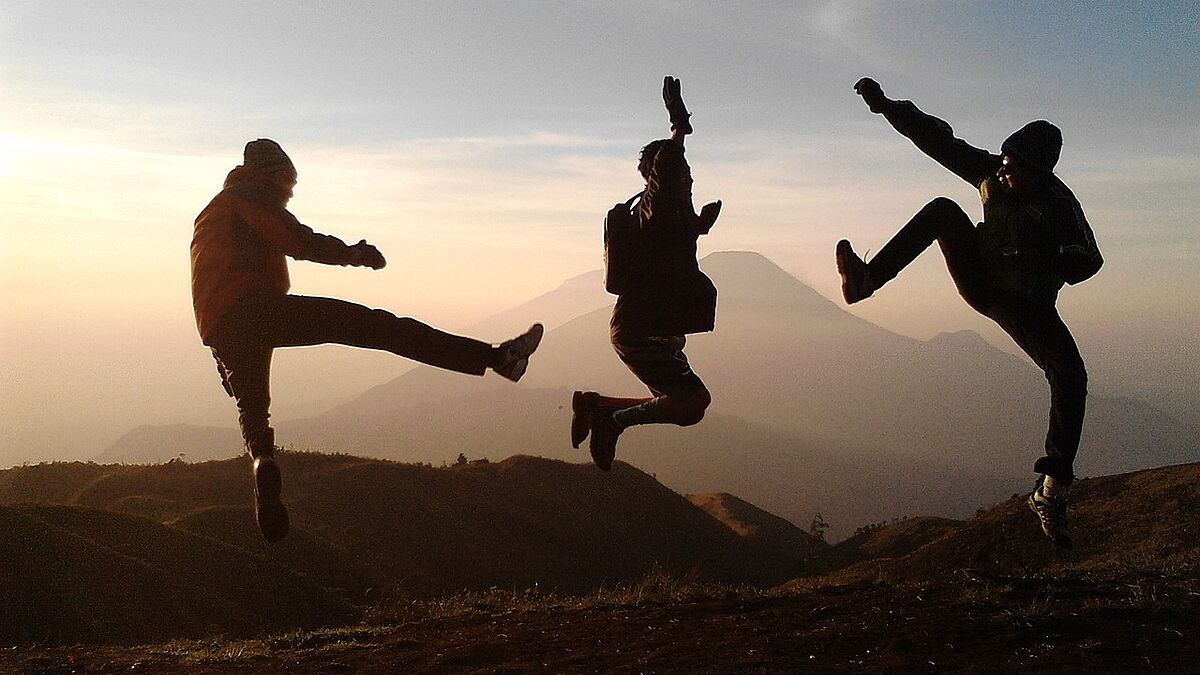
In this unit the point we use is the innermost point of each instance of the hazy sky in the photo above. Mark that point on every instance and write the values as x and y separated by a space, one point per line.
478 144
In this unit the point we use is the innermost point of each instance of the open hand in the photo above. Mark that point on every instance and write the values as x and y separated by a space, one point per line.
672 96
673 100
366 255
708 215
871 93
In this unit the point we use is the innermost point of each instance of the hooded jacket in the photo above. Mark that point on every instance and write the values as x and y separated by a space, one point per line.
1033 241
240 246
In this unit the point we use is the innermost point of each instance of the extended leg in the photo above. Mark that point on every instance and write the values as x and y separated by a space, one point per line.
297 320
940 220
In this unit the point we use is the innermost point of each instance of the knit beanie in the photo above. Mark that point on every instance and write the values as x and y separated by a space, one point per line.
1036 144
266 155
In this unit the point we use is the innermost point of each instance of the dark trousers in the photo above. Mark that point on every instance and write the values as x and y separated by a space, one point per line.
1033 324
251 332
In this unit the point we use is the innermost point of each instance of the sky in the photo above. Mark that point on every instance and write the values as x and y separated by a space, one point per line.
478 145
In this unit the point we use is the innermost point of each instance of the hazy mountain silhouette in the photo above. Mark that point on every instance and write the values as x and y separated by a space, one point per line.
786 358
814 408
577 295
152 444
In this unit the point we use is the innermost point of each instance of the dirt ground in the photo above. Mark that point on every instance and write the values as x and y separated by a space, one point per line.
995 626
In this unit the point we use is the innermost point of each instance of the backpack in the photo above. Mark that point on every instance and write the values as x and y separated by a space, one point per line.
622 244
1076 258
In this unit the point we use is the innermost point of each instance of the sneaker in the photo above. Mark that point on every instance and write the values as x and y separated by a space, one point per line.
269 511
582 405
1052 512
515 353
856 284
605 432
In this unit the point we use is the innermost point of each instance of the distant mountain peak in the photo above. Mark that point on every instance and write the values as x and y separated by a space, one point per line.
962 339
748 275
747 261
964 335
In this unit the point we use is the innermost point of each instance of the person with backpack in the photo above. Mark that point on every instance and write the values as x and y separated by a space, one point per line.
662 296
240 284
1033 239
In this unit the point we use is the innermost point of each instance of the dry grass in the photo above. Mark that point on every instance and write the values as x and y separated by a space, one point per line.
658 587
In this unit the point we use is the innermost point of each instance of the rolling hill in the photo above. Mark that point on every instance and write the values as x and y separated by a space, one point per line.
123 553
75 574
986 594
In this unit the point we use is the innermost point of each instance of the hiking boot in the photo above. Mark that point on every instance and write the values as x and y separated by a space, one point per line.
856 280
269 511
1051 511
605 432
514 353
583 403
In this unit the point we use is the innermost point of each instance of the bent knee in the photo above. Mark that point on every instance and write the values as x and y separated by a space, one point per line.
946 208
692 412
690 417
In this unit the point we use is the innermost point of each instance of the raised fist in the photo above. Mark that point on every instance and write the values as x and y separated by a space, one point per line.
871 93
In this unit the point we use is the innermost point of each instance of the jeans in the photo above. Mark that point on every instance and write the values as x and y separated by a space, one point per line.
249 334
1034 324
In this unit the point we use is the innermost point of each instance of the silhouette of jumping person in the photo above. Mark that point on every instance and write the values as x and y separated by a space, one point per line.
1033 239
662 296
244 312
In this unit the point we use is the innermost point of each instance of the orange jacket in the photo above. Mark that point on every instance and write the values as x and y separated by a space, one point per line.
240 245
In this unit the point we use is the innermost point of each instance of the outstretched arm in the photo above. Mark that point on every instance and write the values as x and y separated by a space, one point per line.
329 250
287 235
931 135
681 126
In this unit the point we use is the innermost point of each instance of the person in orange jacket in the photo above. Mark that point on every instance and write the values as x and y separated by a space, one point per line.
244 312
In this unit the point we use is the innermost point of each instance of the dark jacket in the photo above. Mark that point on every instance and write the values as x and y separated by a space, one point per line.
240 244
671 295
1032 242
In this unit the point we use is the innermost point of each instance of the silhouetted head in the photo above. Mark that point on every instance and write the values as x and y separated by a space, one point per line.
1030 154
266 157
664 167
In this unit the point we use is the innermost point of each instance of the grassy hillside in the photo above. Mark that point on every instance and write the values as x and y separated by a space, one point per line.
595 571
1145 523
123 553
988 595
74 574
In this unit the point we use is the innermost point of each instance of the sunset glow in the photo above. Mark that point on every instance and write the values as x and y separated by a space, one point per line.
478 146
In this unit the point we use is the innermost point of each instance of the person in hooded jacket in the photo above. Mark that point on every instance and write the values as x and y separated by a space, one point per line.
663 298
1033 239
244 312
